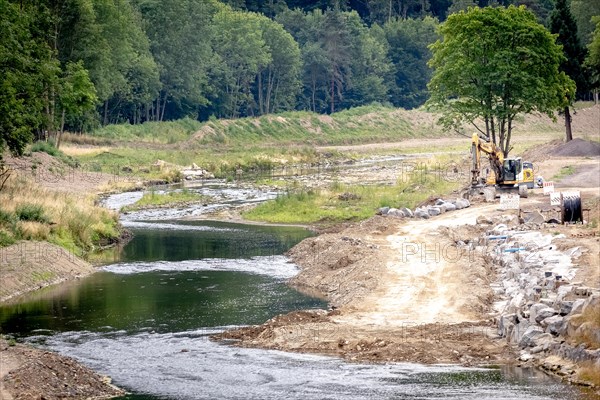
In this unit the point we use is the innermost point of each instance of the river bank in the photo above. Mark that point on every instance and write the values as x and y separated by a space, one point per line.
413 290
30 373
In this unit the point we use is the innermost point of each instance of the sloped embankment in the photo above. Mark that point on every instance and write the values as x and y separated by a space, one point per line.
29 265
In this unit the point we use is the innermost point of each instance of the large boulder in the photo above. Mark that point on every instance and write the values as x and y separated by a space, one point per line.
407 212
554 325
394 212
433 211
450 206
528 338
565 307
421 213
577 307
461 203
533 311
383 211
544 313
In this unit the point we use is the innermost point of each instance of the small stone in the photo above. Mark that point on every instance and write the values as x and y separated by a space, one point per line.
544 313
484 220
407 212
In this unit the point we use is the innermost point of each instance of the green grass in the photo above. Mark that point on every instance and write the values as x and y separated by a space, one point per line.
31 212
153 199
154 132
371 123
564 172
222 162
342 202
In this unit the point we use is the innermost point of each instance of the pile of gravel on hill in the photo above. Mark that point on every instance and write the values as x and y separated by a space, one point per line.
577 148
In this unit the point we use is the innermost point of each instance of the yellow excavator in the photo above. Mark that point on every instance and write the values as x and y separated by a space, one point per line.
504 175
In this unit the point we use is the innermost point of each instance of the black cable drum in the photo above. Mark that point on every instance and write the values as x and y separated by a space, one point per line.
572 211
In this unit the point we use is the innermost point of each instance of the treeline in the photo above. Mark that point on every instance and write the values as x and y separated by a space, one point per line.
76 64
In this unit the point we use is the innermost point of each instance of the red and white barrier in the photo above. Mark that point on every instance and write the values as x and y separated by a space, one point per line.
548 188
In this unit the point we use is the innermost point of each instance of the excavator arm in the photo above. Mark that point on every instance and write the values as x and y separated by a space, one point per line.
493 153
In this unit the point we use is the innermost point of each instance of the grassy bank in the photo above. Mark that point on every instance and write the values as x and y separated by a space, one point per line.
31 212
224 147
340 202
153 199
356 125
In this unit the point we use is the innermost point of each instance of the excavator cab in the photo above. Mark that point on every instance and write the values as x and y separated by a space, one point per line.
512 169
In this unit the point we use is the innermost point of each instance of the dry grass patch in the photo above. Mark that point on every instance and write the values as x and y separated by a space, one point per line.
30 211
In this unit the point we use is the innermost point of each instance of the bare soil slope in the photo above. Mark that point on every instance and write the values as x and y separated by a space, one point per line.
28 266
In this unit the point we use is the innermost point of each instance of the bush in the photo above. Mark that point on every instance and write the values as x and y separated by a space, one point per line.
31 212
45 147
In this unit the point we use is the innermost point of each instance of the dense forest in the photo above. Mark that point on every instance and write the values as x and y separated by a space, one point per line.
77 64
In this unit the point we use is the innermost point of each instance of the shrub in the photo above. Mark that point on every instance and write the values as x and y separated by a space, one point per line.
31 212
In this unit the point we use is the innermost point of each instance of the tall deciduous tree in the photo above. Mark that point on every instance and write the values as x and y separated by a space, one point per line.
76 95
409 52
493 64
180 34
243 53
278 83
22 76
563 24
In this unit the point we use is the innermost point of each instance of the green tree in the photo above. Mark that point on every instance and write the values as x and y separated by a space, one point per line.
563 24
278 83
584 12
24 74
491 65
409 40
372 69
336 41
180 34
76 96
593 59
243 53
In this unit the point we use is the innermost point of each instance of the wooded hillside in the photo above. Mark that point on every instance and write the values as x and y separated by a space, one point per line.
79 64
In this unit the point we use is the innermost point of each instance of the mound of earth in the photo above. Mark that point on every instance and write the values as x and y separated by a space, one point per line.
577 148
52 173
29 373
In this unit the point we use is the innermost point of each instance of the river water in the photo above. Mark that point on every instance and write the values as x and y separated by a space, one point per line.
145 320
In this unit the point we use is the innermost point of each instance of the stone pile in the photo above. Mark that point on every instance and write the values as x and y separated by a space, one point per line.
539 304
439 207
195 172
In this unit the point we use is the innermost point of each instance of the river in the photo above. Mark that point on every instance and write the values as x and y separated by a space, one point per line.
145 320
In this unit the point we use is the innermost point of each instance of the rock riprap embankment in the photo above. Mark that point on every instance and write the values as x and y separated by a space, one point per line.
539 307
440 206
